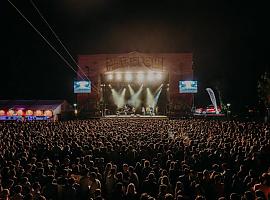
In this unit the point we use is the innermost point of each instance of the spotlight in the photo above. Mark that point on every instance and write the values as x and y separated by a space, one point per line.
159 75
128 76
118 76
119 97
150 76
110 77
158 89
150 99
135 99
131 91
140 76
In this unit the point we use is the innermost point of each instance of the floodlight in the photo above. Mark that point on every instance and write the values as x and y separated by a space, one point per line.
118 76
140 76
150 76
110 77
128 76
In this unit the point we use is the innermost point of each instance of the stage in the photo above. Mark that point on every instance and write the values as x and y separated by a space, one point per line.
135 117
209 114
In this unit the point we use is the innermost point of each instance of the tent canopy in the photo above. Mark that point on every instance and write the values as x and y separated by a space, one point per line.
30 104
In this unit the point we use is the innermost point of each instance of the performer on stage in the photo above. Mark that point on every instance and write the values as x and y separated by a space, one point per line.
151 110
147 110
143 110
126 109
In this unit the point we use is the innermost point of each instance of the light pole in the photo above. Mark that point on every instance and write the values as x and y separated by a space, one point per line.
267 118
75 109
228 109
103 88
88 97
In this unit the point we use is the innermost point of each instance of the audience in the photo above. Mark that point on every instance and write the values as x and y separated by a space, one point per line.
131 159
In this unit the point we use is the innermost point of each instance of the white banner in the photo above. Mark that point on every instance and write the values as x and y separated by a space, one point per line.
213 98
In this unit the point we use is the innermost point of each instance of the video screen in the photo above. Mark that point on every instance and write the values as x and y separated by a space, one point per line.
82 87
188 87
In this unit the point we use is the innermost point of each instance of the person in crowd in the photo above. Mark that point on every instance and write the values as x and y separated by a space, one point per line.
84 184
70 189
133 177
264 185
5 195
162 192
131 193
50 189
150 185
118 192
94 184
17 193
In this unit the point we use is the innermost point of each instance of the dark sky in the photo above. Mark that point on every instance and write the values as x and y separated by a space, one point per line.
229 40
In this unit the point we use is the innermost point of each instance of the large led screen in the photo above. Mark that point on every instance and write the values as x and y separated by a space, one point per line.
82 87
188 87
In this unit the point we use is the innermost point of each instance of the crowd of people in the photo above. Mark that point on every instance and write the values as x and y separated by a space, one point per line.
129 159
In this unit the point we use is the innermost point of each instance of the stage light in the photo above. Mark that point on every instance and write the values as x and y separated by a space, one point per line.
152 99
149 98
19 112
135 99
150 76
157 96
110 77
2 113
131 91
128 76
118 76
158 89
140 76
119 99
159 75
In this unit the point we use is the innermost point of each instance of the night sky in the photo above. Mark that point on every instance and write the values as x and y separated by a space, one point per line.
229 41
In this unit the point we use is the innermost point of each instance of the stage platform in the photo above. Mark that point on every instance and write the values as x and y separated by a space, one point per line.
209 115
135 117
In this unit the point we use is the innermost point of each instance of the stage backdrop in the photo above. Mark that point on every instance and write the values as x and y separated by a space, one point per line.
178 65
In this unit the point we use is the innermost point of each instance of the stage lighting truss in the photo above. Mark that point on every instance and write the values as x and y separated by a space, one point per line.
110 77
140 77
150 76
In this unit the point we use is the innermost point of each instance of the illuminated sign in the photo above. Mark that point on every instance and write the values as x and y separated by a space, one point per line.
188 87
82 87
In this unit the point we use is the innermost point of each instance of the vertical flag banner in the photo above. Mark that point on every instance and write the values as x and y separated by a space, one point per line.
213 98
